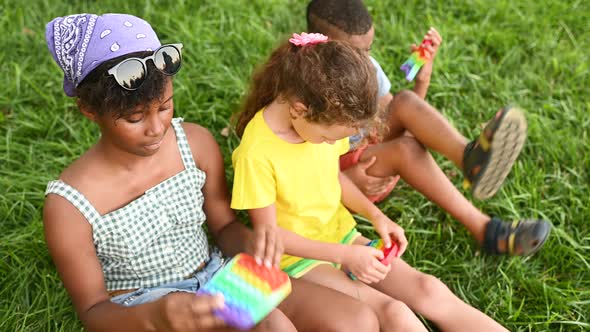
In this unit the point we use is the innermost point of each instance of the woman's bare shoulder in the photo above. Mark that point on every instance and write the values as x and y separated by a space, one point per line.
79 168
195 131
85 173
203 144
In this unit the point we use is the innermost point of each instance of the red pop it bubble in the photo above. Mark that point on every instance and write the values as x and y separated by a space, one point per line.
389 253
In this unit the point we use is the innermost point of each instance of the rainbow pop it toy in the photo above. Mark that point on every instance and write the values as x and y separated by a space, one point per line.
251 291
388 253
416 60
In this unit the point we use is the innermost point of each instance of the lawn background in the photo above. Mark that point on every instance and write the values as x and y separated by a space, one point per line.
530 53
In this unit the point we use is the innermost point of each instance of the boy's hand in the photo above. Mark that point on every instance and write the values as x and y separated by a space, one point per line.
426 70
369 185
388 231
183 312
266 245
363 262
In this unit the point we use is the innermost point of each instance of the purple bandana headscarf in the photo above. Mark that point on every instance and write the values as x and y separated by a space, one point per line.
81 42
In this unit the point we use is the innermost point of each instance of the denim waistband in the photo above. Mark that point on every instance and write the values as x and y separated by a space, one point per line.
190 285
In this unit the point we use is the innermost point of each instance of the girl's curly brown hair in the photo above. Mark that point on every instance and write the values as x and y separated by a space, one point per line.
334 80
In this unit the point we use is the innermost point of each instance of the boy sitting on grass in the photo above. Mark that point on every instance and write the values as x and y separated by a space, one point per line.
377 159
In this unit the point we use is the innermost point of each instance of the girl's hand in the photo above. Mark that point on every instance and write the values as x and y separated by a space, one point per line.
266 245
180 312
426 70
363 262
388 231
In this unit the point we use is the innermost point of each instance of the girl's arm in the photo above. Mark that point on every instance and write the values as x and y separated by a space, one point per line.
231 235
295 244
356 201
69 240
361 260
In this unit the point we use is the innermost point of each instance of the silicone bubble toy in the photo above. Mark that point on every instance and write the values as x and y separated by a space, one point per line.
251 291
416 60
388 253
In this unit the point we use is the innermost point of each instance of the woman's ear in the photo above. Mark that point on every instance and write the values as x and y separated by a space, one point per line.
85 111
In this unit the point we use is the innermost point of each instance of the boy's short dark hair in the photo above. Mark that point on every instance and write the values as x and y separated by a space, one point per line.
349 16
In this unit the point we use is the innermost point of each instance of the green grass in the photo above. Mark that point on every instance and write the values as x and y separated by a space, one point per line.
532 53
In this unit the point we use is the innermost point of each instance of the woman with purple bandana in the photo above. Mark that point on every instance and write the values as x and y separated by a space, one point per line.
123 223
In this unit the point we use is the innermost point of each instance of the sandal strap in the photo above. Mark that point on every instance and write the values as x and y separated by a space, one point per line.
474 156
512 237
484 141
496 230
492 232
468 160
468 147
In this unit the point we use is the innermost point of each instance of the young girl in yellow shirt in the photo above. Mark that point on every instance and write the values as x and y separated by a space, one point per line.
309 97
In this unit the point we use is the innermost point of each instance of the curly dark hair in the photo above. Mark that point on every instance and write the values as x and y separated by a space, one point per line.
349 16
334 80
101 93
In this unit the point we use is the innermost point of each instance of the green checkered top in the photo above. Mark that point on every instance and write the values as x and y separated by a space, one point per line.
157 238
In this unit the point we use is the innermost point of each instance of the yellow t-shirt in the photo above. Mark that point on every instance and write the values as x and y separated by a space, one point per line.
300 179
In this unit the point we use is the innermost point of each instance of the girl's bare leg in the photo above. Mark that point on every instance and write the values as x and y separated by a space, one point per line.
393 315
428 296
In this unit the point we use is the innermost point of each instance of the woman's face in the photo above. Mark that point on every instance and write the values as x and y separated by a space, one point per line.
141 132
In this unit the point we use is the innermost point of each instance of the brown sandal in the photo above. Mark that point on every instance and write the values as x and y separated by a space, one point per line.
520 237
488 160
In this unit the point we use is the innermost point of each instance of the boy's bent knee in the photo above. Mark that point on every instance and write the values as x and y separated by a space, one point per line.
405 94
403 98
407 148
408 145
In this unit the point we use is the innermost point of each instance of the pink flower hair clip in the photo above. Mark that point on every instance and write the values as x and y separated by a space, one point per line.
308 39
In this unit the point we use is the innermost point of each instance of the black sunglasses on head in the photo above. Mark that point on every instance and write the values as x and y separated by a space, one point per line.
131 73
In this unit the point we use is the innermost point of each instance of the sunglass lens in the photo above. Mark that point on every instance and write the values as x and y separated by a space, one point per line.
167 59
131 74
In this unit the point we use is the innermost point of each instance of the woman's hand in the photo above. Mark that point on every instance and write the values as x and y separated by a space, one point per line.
363 262
388 231
184 312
